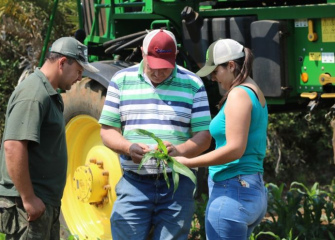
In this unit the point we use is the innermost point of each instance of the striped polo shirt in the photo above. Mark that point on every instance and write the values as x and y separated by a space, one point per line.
172 111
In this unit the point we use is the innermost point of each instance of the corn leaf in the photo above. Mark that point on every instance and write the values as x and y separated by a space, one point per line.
164 160
161 145
182 169
175 177
146 158
159 155
165 175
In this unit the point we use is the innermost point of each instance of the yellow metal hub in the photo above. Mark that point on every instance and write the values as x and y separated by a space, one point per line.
92 173
89 184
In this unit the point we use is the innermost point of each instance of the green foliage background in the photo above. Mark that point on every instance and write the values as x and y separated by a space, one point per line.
23 23
300 150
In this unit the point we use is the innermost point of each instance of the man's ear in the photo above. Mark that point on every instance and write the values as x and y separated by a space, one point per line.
62 60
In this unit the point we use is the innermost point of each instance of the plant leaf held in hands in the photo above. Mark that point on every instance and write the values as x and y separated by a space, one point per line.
160 143
164 160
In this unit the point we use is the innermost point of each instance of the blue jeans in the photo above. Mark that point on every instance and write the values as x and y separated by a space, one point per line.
142 203
235 207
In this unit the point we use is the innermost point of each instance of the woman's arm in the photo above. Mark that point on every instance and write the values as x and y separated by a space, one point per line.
238 116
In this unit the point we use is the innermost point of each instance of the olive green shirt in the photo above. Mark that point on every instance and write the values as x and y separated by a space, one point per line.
35 113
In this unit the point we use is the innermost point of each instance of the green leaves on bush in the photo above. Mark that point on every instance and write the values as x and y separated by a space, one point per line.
275 237
164 161
300 213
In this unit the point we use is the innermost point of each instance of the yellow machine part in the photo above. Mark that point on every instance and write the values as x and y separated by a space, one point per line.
93 171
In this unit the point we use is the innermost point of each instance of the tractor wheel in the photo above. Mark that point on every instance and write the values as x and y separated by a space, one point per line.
93 169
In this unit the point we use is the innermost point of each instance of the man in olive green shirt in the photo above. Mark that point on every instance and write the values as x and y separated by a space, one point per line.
33 156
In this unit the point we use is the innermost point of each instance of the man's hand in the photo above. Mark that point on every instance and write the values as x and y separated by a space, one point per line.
172 150
34 208
137 151
16 153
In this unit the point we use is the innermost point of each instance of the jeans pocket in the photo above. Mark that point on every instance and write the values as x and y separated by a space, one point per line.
8 216
250 200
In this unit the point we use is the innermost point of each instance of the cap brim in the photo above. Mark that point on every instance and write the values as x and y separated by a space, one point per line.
205 71
87 66
158 63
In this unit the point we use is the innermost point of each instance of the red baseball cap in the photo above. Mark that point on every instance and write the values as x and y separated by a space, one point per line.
160 46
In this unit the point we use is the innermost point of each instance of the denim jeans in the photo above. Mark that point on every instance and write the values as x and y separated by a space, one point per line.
142 203
235 207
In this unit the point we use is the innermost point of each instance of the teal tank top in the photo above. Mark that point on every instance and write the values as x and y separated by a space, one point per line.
252 160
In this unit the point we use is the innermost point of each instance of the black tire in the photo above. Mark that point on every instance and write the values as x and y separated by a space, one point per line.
84 97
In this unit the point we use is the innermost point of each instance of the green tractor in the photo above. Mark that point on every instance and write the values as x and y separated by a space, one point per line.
293 43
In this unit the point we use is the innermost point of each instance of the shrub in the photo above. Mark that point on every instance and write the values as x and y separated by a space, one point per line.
300 213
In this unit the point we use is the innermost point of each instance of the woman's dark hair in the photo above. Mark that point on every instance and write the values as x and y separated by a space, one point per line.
243 69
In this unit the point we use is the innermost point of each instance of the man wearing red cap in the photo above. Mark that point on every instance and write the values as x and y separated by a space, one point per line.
171 102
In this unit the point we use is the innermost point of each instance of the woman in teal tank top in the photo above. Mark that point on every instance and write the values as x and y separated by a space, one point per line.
237 195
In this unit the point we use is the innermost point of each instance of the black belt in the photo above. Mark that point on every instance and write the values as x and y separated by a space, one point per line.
147 176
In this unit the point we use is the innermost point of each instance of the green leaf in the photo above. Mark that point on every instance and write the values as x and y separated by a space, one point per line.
165 175
182 169
163 159
146 158
161 145
175 177
160 155
331 236
178 168
268 233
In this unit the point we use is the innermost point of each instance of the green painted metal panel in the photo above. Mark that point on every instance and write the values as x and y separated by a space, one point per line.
301 56
314 57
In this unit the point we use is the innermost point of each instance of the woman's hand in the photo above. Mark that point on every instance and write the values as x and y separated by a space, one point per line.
184 160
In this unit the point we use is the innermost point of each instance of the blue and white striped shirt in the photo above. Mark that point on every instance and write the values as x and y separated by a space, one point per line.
172 111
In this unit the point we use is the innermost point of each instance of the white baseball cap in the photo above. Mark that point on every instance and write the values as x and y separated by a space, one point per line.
221 51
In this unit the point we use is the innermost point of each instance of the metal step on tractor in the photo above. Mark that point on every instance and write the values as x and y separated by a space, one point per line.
293 43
